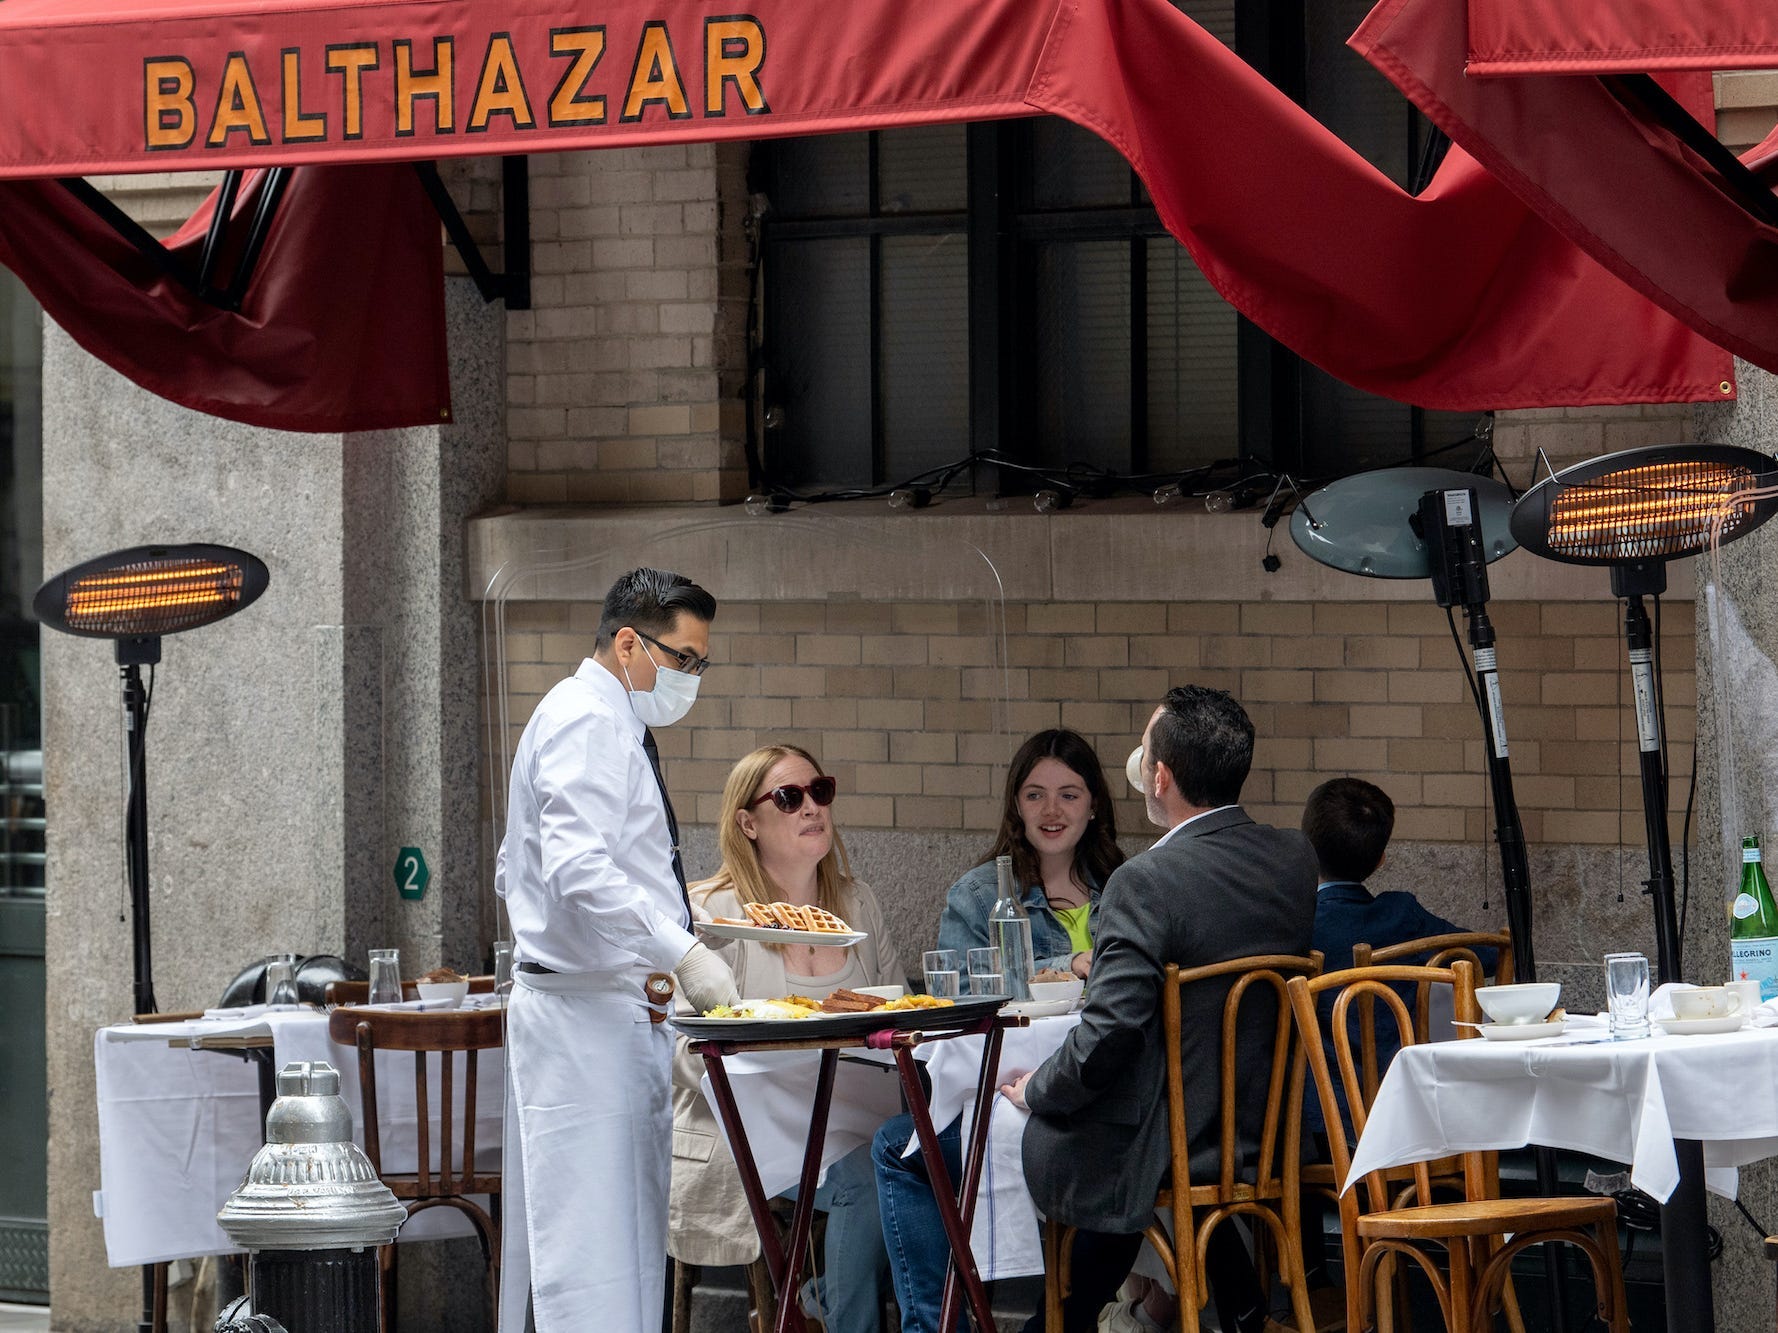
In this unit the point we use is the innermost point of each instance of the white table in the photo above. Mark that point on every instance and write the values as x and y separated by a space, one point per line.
1627 1101
775 1090
179 1124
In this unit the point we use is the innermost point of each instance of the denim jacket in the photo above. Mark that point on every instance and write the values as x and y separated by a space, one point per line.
964 924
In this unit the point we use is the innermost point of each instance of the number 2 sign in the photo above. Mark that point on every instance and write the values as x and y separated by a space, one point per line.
411 873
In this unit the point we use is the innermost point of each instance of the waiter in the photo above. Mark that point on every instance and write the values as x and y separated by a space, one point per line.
591 875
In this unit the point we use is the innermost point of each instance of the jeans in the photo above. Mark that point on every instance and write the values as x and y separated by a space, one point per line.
853 1258
919 1251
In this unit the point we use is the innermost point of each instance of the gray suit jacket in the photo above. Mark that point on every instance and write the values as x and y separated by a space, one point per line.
1095 1150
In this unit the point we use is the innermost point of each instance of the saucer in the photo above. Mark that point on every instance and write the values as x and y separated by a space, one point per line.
1039 1008
1697 1027
1520 1031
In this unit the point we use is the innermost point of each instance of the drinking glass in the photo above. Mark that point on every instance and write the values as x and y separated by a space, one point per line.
280 979
943 973
1626 990
385 976
502 966
986 976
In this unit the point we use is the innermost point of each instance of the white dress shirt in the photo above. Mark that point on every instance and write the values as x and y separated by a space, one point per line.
586 867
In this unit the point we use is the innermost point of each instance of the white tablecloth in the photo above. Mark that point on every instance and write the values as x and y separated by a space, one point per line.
775 1090
1626 1101
178 1126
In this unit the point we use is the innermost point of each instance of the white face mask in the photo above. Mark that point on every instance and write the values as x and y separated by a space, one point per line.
1133 771
671 698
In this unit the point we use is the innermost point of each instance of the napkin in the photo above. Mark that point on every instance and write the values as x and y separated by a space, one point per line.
242 1011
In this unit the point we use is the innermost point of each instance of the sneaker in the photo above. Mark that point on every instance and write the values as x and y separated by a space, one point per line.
1120 1317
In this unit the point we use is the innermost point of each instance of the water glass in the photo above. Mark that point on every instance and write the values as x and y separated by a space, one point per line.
280 979
502 966
986 976
944 973
1626 991
385 976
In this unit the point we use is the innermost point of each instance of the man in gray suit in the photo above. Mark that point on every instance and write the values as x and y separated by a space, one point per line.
1216 886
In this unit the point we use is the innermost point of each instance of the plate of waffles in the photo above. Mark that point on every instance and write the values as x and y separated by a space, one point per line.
785 923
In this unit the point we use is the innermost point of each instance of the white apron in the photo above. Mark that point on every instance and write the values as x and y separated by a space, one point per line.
588 1156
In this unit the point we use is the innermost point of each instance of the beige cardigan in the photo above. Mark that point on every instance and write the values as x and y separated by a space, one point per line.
707 1218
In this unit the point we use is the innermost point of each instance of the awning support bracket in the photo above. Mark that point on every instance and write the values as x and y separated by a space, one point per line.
1741 184
200 284
514 285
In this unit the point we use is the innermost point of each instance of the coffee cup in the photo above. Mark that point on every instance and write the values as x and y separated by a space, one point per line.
1705 1002
1749 993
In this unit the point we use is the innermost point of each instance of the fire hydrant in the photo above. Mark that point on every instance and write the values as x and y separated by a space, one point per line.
311 1214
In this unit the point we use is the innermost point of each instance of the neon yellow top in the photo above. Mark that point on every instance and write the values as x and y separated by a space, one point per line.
1074 921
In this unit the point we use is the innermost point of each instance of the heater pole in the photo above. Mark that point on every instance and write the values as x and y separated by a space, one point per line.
135 725
1509 830
1639 639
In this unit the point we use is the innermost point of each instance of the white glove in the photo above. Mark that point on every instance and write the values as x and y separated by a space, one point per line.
705 980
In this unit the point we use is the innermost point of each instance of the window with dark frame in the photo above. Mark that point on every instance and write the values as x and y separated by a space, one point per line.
929 291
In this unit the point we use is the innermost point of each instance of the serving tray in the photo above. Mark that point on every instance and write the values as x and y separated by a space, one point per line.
961 1014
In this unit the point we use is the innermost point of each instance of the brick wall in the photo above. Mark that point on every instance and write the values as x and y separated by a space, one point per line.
908 707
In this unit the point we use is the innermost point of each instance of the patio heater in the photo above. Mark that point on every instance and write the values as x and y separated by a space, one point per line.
134 597
1633 512
1448 526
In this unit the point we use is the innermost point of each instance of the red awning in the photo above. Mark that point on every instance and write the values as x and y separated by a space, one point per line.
1620 36
1461 298
1597 164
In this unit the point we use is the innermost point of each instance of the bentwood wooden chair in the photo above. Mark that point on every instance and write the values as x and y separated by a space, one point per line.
1480 1234
448 1179
1257 1043
358 992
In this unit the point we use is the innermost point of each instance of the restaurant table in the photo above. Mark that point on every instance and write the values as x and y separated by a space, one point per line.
956 1205
179 1122
774 1090
1684 1112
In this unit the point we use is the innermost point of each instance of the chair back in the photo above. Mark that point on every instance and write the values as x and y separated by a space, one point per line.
1375 987
1280 1130
440 1033
358 992
1443 950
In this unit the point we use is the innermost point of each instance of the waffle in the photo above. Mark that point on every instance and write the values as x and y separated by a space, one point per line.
790 916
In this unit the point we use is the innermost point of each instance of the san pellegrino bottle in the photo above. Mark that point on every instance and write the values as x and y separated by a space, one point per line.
1753 926
1009 928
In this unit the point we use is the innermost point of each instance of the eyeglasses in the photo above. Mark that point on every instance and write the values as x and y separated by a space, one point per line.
690 663
789 797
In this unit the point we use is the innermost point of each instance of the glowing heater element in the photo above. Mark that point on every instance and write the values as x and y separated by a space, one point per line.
1651 512
150 591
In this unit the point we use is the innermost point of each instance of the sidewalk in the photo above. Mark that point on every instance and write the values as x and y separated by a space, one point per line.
24 1319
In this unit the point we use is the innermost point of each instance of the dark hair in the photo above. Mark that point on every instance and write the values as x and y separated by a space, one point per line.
649 601
1097 854
1205 739
1348 822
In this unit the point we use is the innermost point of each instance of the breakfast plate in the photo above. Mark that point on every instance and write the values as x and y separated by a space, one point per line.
1698 1027
1520 1031
779 935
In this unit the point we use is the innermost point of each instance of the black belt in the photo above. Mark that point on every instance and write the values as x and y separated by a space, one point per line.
537 968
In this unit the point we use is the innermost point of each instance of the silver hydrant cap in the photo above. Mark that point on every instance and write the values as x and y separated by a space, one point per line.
310 1187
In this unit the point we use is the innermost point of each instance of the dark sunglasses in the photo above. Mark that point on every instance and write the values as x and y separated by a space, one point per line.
789 797
690 663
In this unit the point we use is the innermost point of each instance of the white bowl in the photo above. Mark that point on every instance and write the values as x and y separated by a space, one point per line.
1050 992
884 992
454 991
1529 1002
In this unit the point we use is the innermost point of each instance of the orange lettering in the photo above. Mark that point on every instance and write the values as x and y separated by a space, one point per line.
297 127
411 87
350 62
734 49
169 119
501 89
570 104
660 82
237 105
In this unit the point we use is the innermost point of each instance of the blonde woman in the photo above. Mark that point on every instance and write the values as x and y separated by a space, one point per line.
778 842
